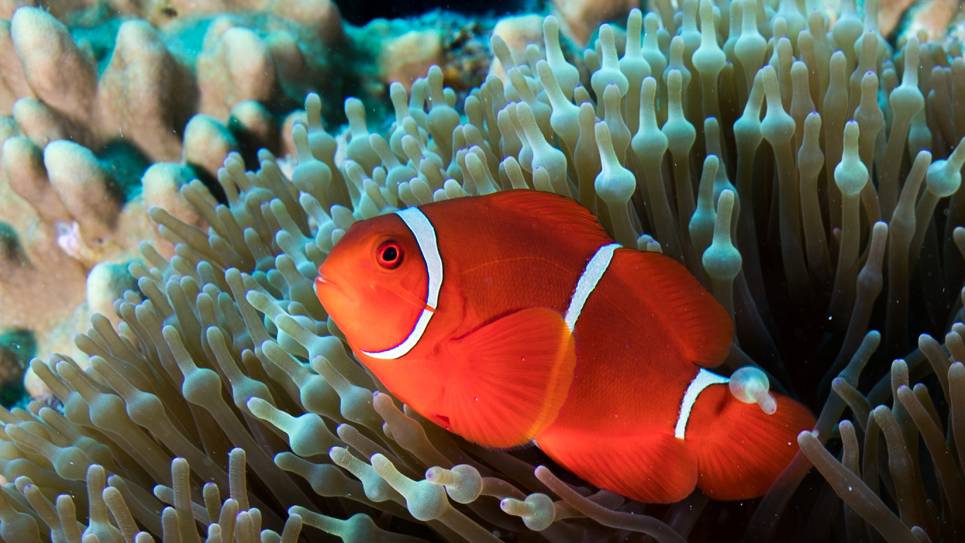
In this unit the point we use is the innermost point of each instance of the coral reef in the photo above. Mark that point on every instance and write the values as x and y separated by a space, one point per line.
807 171
94 105
151 95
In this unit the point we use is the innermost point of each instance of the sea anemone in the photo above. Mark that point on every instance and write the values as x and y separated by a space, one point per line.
797 163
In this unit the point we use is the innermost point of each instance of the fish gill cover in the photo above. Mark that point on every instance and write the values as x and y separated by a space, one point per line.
803 160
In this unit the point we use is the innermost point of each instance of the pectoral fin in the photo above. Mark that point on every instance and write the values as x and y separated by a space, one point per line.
509 378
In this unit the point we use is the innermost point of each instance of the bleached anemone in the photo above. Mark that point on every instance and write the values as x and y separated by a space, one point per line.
795 162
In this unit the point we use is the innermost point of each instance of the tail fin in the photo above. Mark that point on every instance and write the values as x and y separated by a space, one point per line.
740 450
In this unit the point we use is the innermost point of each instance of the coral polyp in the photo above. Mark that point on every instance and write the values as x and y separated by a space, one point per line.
805 168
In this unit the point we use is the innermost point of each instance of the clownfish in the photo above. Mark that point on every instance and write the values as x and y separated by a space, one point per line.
514 318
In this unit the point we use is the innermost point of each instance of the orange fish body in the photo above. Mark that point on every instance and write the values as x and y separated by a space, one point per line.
513 318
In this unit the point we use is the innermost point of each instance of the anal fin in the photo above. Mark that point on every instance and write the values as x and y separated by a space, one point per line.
650 467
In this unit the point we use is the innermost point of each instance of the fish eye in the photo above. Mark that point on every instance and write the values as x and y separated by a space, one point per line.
389 255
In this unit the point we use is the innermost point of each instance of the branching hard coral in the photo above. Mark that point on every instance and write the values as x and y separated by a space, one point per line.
103 116
88 118
795 163
79 218
150 75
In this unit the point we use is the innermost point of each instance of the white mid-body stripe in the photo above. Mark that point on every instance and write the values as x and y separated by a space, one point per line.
425 235
703 380
591 276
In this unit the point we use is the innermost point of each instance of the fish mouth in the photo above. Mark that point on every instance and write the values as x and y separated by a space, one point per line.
332 295
326 290
322 281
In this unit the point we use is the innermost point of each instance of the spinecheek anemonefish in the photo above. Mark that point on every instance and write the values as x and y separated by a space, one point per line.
513 318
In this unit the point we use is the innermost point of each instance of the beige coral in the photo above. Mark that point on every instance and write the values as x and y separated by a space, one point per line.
407 57
75 138
581 18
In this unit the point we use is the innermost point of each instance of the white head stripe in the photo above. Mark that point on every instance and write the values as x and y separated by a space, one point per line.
425 236
592 274
703 380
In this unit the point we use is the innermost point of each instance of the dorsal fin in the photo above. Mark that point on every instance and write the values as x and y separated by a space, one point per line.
554 211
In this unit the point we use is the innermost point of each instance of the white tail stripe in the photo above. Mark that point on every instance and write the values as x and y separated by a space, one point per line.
591 276
425 235
703 380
